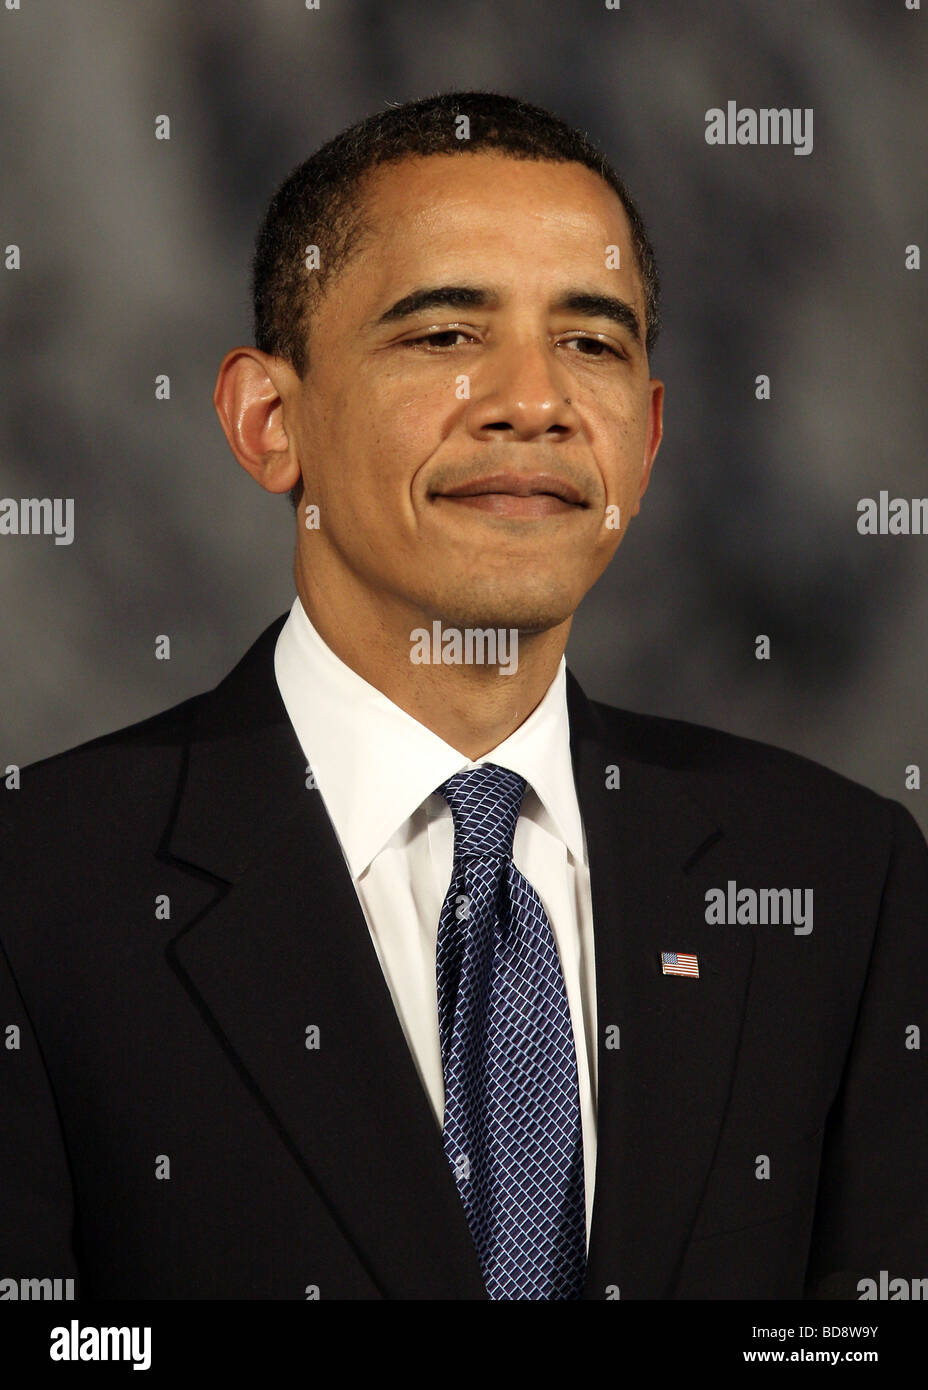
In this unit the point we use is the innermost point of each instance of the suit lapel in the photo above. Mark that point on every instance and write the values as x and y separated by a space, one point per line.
285 947
662 1092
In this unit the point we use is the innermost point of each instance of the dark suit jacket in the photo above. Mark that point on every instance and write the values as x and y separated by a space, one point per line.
293 1168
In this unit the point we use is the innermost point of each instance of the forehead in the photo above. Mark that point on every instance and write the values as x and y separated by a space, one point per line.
445 211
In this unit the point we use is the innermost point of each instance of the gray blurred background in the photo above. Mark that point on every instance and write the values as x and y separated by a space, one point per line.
135 262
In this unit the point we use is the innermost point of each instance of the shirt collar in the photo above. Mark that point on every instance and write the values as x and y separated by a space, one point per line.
375 764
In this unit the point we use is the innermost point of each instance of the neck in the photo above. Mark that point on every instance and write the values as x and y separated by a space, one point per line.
471 706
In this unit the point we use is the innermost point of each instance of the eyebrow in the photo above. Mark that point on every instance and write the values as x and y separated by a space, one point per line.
588 303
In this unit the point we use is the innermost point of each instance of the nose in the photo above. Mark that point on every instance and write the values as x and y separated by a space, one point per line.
521 393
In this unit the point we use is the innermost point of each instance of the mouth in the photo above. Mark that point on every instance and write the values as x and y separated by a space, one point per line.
513 494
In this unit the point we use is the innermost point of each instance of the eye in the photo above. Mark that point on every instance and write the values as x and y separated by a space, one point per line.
432 338
595 343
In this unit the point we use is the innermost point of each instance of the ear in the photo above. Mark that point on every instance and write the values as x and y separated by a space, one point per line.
249 402
655 433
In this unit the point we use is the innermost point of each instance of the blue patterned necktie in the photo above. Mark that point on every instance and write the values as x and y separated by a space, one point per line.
512 1131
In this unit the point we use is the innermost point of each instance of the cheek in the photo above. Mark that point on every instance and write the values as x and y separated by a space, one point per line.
397 433
370 444
621 480
626 436
398 420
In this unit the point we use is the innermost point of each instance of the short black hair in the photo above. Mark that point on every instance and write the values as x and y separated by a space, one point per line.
320 203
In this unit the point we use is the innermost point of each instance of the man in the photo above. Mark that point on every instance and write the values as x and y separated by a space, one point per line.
394 967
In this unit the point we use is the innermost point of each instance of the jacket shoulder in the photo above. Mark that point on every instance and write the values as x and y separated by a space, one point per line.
740 774
96 791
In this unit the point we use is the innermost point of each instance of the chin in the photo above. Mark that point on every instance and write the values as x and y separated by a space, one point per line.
533 608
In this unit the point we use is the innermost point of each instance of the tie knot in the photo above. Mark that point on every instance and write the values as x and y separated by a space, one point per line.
485 806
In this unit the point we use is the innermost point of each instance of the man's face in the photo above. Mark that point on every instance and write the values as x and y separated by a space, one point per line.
400 408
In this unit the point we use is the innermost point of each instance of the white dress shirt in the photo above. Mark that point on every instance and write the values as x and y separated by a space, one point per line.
376 769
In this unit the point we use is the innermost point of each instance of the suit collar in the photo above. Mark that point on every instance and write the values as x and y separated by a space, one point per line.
284 946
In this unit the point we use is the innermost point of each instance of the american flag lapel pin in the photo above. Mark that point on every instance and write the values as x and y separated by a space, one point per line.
676 963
